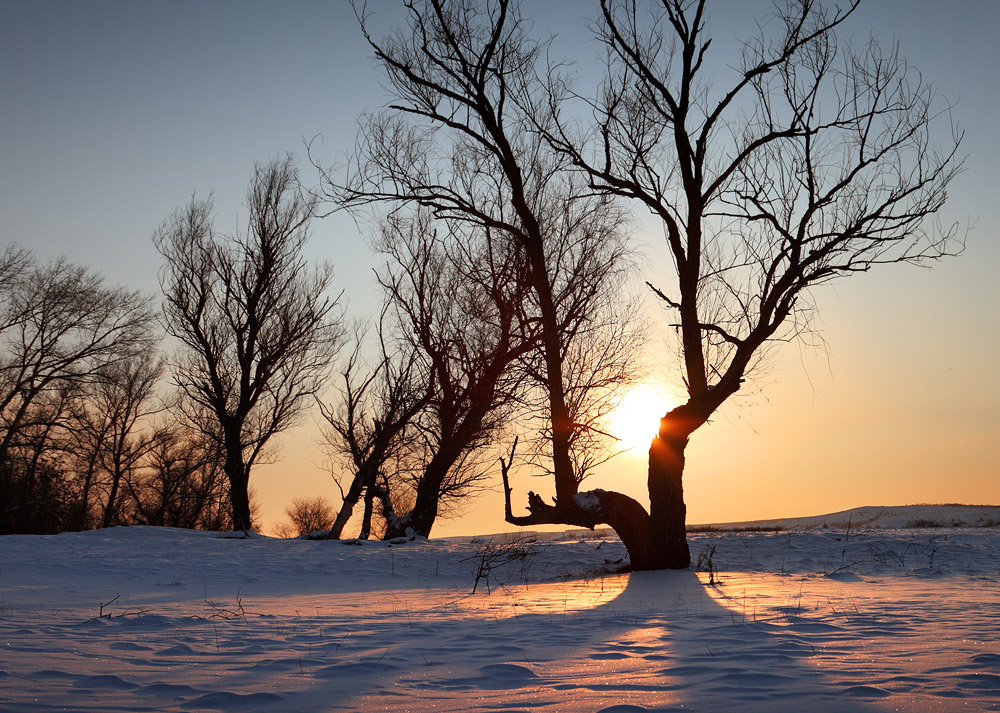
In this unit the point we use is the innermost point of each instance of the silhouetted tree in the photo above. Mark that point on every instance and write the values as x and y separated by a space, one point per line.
372 423
808 162
257 329
181 483
459 296
443 385
108 435
37 490
461 140
310 515
61 325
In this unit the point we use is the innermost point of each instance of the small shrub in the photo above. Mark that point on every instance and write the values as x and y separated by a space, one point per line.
494 555
706 563
925 522
310 515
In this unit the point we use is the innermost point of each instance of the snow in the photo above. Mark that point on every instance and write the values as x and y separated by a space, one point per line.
158 619
589 501
900 516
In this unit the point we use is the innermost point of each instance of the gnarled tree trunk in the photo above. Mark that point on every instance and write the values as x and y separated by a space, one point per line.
654 540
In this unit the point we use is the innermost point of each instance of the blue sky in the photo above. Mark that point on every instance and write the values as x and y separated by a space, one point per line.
113 113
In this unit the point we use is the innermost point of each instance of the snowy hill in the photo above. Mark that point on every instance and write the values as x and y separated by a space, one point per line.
884 517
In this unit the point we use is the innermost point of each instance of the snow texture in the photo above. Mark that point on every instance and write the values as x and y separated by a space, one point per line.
157 619
588 501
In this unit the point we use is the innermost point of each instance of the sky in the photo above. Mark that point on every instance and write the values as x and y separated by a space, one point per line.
112 114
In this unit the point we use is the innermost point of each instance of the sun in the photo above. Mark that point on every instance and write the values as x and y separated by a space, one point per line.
637 418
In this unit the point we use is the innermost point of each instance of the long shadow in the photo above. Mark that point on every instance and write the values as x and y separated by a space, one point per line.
662 643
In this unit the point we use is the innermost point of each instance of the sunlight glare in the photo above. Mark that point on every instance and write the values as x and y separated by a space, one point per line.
637 418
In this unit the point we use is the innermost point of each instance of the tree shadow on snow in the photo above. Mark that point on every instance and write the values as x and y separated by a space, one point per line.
663 643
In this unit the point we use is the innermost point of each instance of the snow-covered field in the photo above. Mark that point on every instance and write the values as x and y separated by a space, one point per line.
148 619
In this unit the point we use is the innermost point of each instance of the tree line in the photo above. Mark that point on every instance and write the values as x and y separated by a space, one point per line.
83 443
500 196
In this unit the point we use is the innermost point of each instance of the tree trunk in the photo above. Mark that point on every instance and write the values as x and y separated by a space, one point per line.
667 512
346 510
239 494
631 523
238 475
358 484
420 520
654 540
109 508
366 518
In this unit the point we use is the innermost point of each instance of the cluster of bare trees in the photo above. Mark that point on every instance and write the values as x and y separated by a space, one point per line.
501 194
505 309
90 439
78 373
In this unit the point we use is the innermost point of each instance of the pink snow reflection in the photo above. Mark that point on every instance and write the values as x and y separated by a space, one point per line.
559 599
924 642
569 646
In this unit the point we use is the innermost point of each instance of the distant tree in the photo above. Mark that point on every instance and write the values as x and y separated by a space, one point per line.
109 433
809 161
310 514
256 326
61 326
37 491
181 483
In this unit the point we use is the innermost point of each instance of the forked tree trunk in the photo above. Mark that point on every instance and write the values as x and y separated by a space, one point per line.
420 520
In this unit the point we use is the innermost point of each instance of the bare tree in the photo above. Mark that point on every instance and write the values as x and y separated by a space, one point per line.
461 139
310 515
113 431
181 483
14 261
37 491
459 295
810 161
372 423
62 324
449 332
256 326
